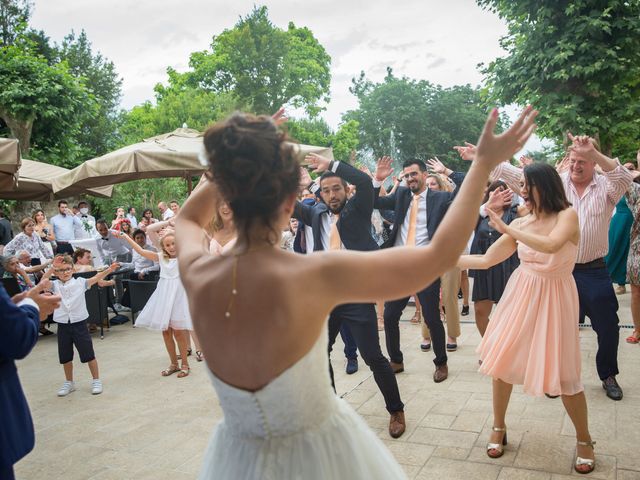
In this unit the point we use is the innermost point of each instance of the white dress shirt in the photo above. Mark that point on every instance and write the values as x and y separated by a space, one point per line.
132 220
142 264
111 246
73 307
167 214
327 220
86 229
422 234
308 238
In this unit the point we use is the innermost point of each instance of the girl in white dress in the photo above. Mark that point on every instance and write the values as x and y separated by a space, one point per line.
168 307
261 312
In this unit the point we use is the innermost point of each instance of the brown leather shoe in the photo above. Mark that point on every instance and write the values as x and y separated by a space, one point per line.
397 367
441 373
397 425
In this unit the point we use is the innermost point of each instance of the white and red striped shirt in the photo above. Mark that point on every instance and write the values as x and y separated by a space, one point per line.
594 208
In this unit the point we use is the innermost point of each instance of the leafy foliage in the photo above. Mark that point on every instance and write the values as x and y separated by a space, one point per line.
408 118
14 17
263 65
577 61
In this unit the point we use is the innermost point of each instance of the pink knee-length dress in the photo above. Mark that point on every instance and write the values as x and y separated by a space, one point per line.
533 338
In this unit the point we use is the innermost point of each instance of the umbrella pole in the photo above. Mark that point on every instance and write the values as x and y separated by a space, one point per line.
189 185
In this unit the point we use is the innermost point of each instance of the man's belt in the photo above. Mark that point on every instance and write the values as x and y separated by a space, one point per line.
597 263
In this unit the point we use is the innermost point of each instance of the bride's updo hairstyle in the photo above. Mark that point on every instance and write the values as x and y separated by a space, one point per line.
254 167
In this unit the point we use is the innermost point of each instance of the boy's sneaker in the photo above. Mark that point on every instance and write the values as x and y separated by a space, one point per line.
66 389
96 387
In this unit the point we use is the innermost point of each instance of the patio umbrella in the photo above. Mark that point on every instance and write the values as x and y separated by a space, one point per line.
173 154
34 183
9 162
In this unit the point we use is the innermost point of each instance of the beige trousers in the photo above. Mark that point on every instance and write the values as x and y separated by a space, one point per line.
449 286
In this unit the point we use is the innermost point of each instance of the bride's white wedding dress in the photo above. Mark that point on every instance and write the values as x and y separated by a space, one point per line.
294 428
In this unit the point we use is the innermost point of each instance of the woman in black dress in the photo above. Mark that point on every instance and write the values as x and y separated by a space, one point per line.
489 284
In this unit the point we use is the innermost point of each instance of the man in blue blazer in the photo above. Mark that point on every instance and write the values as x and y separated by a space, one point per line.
19 323
340 221
429 207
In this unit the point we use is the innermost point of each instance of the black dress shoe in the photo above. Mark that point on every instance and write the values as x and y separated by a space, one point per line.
352 366
551 396
465 310
614 391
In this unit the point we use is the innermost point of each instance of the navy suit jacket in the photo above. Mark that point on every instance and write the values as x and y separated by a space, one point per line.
400 200
354 225
18 335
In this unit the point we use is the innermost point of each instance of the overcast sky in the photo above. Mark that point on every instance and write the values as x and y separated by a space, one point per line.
439 41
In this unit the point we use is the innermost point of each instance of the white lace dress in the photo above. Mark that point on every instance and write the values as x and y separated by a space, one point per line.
294 428
168 306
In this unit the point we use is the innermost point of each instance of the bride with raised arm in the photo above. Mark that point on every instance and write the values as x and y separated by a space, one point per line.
261 312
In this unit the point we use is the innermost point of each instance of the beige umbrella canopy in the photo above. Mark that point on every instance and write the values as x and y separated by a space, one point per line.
34 183
9 162
173 154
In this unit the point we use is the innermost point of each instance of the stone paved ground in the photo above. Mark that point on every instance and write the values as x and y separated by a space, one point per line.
147 427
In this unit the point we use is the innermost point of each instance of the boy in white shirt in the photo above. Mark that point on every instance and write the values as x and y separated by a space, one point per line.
71 318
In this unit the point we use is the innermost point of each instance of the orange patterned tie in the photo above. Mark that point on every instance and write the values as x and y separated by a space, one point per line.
413 220
335 243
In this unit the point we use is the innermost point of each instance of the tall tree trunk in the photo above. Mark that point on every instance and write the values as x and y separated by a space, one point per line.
20 129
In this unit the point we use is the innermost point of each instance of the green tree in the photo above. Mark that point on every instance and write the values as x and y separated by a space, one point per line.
14 18
263 65
346 140
35 91
408 118
577 61
194 107
98 133
310 131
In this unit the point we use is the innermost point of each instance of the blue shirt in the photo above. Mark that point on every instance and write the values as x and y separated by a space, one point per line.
63 227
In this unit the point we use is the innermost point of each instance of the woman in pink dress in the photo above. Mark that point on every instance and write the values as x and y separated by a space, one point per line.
532 338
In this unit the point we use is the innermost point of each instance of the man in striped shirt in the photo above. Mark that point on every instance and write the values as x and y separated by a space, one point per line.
594 196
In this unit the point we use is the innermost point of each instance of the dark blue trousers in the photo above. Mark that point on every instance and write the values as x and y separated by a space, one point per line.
363 323
6 473
350 348
598 302
429 298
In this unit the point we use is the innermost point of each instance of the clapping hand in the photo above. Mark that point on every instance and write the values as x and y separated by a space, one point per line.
496 222
383 169
494 149
468 152
317 162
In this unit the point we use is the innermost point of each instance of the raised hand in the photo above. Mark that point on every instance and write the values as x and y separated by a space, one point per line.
524 160
317 162
46 302
496 221
582 145
437 166
383 169
499 200
305 178
365 169
279 117
466 152
494 149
